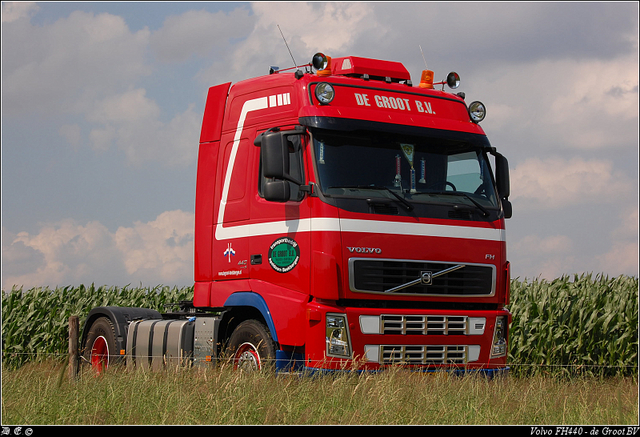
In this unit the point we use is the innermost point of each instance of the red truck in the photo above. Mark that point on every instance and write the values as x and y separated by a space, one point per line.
344 219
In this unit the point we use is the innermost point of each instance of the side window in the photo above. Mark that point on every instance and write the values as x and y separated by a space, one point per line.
296 169
464 172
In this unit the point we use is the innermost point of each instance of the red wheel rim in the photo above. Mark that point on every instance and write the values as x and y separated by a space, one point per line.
247 358
100 354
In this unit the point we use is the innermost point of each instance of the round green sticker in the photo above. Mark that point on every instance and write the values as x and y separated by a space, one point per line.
284 254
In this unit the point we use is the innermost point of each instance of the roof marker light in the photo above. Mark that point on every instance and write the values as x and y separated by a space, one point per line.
426 80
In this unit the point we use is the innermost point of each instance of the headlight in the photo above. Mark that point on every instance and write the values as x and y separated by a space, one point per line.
477 111
499 345
324 93
337 336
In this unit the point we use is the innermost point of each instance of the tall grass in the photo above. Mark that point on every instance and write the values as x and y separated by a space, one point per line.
38 393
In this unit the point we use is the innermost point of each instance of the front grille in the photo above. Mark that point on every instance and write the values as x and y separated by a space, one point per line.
423 355
424 325
380 275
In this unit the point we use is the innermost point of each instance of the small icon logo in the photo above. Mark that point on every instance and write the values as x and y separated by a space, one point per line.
229 252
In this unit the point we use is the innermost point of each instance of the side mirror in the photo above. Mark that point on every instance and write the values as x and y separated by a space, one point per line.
274 151
277 191
502 176
502 183
275 147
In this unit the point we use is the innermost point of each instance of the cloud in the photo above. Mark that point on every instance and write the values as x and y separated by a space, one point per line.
622 256
12 11
555 182
72 133
621 259
163 247
560 106
159 251
551 256
132 122
333 28
64 66
198 33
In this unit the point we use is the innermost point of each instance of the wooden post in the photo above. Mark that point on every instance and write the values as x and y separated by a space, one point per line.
74 325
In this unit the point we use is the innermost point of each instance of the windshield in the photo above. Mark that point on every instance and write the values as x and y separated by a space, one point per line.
412 169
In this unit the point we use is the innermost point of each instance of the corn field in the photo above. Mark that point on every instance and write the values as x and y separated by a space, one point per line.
579 325
35 323
583 325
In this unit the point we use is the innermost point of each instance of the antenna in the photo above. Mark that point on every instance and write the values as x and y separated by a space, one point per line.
425 61
285 43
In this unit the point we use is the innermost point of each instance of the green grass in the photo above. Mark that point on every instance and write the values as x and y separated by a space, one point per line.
40 393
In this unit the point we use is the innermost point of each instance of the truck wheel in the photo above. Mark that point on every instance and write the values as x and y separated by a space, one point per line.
251 347
100 346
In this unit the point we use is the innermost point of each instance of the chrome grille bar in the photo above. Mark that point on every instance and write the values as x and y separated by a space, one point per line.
423 354
424 325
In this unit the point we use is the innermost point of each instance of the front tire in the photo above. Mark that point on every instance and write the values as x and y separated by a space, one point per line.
100 346
251 347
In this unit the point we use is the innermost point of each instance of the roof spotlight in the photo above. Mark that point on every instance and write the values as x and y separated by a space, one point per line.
319 61
324 93
477 111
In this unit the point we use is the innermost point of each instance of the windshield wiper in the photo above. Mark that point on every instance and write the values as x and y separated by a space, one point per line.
405 203
484 211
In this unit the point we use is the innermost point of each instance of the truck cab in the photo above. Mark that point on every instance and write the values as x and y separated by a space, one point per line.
352 219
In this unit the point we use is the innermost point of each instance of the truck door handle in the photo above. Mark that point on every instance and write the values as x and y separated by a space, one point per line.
256 259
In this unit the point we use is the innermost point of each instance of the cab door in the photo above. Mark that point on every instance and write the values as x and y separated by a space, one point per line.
280 249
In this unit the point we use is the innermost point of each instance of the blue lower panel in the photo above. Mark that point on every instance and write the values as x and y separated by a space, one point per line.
289 362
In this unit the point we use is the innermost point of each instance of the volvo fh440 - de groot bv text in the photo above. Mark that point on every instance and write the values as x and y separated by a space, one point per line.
345 218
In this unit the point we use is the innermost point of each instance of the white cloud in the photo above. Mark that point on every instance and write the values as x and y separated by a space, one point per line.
333 28
310 27
63 252
160 251
12 11
198 33
628 228
621 259
163 247
64 66
560 107
598 104
556 182
132 122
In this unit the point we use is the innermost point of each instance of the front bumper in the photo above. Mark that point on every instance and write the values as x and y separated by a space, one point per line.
428 340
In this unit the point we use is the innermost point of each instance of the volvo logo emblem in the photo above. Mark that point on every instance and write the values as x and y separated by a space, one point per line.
426 278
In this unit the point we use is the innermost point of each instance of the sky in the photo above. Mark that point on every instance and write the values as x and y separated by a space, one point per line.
102 105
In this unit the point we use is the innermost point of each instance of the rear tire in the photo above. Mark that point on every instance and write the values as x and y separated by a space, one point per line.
251 347
99 350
